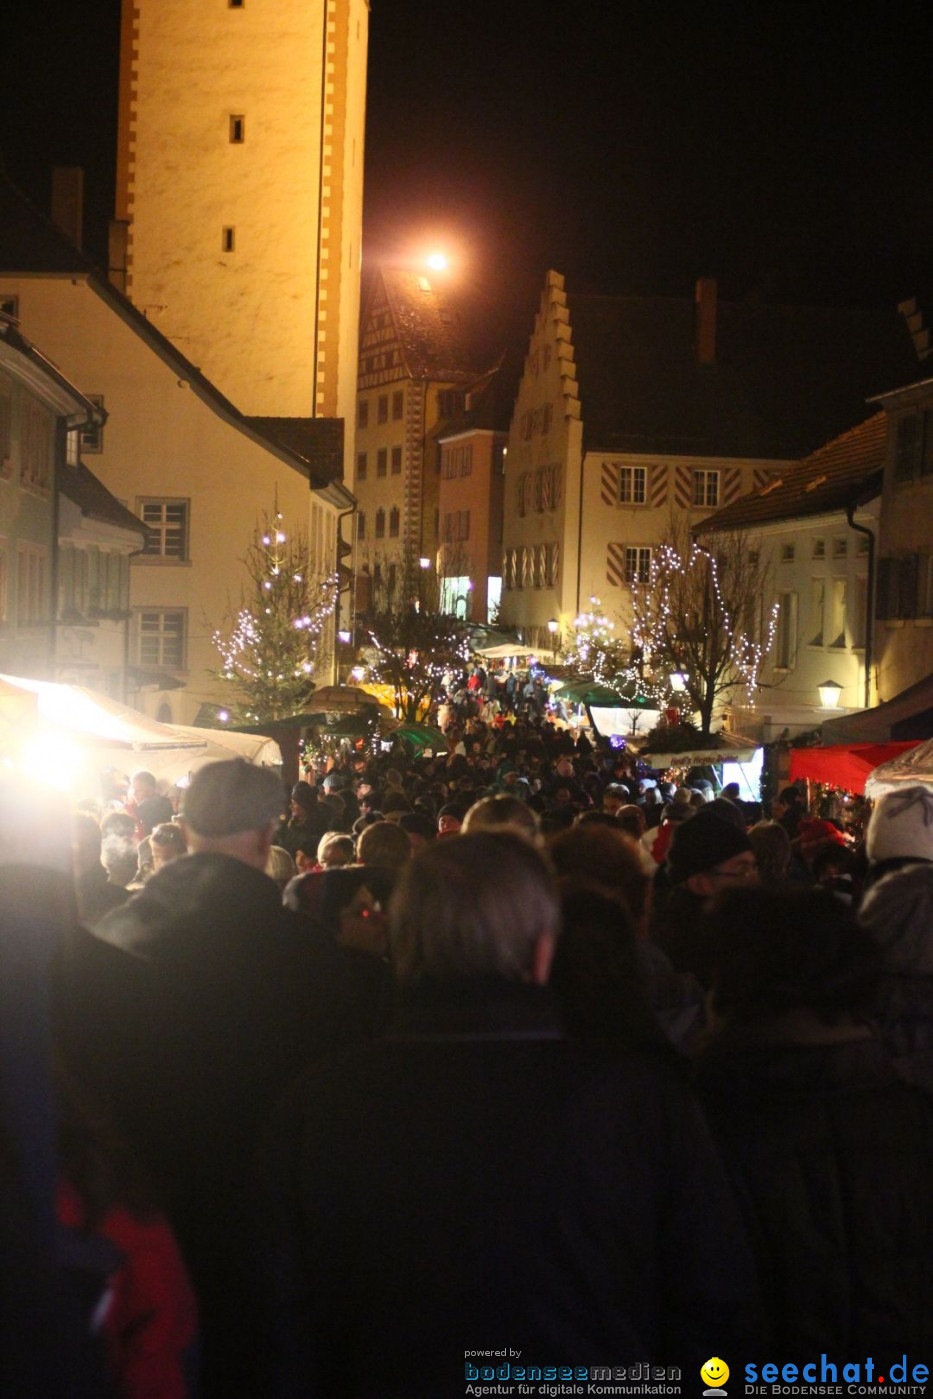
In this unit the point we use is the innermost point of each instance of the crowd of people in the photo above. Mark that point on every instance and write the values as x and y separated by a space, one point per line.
519 1044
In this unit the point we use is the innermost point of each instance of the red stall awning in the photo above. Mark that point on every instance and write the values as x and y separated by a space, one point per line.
844 765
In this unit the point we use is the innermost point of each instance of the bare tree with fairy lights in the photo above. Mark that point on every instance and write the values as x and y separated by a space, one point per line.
412 643
270 647
701 615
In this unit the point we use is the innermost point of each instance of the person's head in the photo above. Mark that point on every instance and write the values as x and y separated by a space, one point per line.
607 859
383 843
280 866
85 842
901 826
333 852
303 799
614 798
772 848
347 905
232 808
449 819
418 827
788 799
707 856
780 951
631 819
732 791
167 843
484 905
898 913
501 812
143 785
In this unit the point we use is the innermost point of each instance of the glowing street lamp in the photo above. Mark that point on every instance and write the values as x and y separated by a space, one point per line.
829 694
437 262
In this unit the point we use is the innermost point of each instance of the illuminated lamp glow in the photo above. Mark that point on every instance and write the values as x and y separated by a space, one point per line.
437 262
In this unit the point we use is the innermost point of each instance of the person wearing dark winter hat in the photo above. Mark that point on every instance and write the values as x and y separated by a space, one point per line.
707 856
900 831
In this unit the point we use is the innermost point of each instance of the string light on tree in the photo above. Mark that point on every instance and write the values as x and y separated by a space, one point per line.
270 649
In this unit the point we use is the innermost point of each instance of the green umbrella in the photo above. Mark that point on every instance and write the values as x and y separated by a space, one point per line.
422 736
591 692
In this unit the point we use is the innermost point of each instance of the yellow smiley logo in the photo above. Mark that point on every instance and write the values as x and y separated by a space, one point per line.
715 1372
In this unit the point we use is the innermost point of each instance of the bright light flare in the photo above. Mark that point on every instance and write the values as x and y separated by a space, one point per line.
437 262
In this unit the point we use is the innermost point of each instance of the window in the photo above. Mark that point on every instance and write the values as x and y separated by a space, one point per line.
840 546
380 524
906 448
925 586
633 484
92 434
394 518
362 413
6 427
817 608
36 444
926 456
361 466
235 4
637 564
228 239
30 585
837 613
237 130
396 461
166 524
788 553
857 611
706 488
456 526
398 405
819 548
466 460
382 461
785 639
9 305
382 408
361 525
160 637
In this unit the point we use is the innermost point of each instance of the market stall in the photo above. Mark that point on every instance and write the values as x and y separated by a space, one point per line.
847 765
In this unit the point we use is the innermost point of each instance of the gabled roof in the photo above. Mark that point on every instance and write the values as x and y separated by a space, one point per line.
427 332
318 441
489 401
847 471
94 501
784 380
31 245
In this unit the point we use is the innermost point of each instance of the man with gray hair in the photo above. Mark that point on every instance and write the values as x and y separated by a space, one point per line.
477 1179
236 1000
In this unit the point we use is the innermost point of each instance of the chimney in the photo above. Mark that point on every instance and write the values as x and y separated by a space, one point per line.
68 202
706 320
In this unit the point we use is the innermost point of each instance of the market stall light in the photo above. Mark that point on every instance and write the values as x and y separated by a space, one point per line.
829 694
344 637
678 679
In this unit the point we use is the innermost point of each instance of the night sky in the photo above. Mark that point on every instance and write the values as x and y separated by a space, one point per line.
786 149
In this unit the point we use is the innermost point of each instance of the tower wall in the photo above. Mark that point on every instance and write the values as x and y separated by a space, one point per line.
270 310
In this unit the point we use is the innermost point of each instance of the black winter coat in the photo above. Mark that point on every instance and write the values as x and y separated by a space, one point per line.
833 1160
475 1181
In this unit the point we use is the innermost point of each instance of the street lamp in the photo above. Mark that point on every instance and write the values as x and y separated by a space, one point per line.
553 626
829 694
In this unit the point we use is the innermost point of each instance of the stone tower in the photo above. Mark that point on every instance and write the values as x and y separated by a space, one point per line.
240 193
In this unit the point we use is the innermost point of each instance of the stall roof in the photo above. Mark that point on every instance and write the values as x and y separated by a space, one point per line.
846 765
907 715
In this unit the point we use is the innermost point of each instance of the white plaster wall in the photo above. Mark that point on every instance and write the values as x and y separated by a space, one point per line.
162 439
